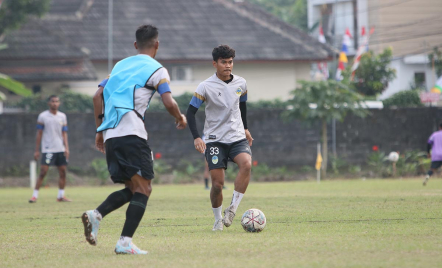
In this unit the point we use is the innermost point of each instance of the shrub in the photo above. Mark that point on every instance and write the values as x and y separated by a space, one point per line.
408 98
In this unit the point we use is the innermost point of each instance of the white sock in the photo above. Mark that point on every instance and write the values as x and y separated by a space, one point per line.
217 213
35 194
60 193
124 241
236 199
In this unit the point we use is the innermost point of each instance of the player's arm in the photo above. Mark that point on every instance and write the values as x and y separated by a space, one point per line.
98 115
65 141
243 109
39 135
429 146
170 103
195 103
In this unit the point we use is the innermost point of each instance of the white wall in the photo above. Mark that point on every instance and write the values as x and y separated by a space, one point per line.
405 77
265 81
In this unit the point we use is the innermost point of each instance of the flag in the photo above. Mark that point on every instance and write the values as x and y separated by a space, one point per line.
322 66
361 50
346 43
438 87
318 161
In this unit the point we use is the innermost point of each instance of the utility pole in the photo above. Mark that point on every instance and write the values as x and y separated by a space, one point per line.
355 23
110 37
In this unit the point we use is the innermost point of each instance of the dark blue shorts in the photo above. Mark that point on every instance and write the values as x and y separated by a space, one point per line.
218 153
436 164
53 159
127 156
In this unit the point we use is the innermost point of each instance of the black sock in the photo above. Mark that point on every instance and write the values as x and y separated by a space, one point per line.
114 201
134 214
206 182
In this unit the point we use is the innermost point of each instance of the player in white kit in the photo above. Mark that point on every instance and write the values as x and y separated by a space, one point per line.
52 127
225 130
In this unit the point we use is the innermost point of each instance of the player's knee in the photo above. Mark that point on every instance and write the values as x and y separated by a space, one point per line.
217 187
246 166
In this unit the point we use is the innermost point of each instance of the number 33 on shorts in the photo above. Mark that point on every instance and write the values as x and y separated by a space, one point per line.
214 151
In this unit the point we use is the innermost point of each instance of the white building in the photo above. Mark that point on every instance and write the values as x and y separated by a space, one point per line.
411 28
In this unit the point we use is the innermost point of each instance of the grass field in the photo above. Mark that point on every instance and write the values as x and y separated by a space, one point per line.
342 223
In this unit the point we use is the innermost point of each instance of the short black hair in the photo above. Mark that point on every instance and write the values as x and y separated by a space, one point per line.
440 124
223 52
146 35
51 97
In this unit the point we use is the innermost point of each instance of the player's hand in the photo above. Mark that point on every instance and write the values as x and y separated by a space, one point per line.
99 142
181 123
249 137
36 155
200 146
66 154
429 155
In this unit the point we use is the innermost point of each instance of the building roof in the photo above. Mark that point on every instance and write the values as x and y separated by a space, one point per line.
48 70
189 29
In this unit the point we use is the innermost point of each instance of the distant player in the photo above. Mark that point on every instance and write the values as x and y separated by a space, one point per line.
52 127
225 129
122 135
434 149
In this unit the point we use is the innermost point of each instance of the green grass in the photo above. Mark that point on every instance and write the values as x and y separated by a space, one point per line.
347 223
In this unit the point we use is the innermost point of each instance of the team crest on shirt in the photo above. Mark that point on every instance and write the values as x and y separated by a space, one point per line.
238 91
215 159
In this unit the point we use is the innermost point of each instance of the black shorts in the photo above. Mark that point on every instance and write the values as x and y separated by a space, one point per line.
127 156
217 153
436 164
53 159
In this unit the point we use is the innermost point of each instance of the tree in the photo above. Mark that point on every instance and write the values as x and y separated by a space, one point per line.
435 58
13 13
373 74
290 11
323 101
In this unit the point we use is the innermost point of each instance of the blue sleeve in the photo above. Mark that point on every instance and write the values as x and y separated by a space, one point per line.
243 98
163 88
40 126
196 102
64 128
103 83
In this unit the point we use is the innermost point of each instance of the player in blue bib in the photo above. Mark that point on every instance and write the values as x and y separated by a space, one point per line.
121 134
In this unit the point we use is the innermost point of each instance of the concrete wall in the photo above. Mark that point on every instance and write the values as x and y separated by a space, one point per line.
276 143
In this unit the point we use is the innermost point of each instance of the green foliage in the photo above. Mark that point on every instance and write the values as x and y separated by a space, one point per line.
337 164
324 100
70 102
266 104
410 163
408 98
14 86
436 56
13 13
373 74
100 167
290 11
161 167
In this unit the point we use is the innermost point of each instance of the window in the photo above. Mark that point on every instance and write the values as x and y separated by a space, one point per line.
419 80
36 89
180 73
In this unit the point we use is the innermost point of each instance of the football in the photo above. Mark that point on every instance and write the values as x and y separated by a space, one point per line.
253 220
393 157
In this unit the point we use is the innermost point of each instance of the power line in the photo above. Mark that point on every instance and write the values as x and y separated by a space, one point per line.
374 8
422 50
406 37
